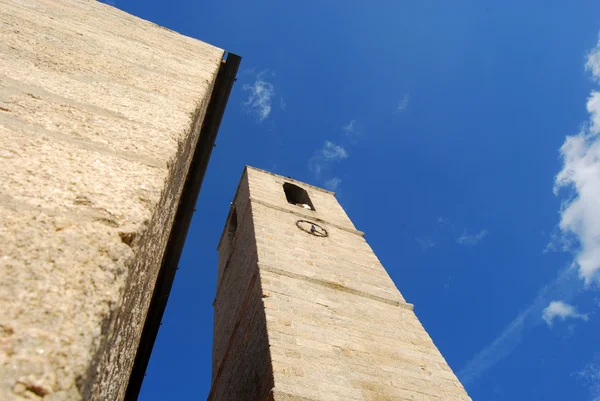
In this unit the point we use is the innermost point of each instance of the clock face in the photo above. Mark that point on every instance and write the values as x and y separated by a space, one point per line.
311 228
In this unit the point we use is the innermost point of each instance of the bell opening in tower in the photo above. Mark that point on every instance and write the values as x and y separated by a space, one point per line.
297 196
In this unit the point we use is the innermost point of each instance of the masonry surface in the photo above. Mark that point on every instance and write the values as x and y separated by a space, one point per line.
303 317
100 113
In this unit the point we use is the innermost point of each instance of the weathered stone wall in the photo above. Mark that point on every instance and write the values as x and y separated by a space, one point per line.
338 328
237 267
241 368
99 115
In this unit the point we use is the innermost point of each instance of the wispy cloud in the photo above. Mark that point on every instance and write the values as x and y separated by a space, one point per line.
322 161
590 374
282 103
260 97
562 310
324 157
425 243
444 231
353 131
470 240
350 128
564 286
333 152
561 242
593 61
403 104
580 214
333 183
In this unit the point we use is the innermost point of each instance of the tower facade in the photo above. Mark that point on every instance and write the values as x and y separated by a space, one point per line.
304 310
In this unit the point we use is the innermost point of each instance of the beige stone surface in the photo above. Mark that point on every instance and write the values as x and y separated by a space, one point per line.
337 327
99 114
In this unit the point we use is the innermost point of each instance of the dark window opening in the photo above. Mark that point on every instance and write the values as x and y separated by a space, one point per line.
297 196
232 226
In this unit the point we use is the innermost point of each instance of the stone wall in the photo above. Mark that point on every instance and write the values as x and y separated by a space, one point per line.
241 367
99 116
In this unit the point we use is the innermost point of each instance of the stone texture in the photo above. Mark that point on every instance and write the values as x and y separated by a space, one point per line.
241 363
337 327
99 115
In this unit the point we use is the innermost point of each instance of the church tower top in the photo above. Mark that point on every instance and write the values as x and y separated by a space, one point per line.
305 311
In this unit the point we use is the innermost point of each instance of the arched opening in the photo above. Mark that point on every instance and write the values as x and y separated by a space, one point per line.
232 226
297 196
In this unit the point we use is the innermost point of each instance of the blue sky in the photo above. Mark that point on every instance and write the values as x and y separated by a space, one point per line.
463 137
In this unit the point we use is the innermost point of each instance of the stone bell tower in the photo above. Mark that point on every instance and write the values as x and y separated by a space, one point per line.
305 311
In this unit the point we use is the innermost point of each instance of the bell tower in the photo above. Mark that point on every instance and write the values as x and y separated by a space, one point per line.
305 311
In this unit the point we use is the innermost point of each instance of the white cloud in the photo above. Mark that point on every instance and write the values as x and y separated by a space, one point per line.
593 107
593 61
323 158
260 97
580 214
564 286
591 372
333 183
331 151
403 104
353 131
350 128
561 310
591 376
561 242
466 239
425 243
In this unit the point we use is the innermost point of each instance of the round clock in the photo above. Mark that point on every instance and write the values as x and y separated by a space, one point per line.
311 228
